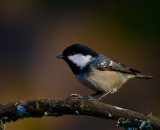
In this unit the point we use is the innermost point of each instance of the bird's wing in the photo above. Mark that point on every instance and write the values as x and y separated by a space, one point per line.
108 64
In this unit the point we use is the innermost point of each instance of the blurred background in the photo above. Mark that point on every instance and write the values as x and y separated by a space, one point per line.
34 32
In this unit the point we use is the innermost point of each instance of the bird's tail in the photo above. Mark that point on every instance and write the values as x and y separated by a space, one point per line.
141 76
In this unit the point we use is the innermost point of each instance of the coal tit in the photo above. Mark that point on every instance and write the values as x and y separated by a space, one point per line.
97 71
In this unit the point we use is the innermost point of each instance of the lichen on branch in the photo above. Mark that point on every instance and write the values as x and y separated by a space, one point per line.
69 106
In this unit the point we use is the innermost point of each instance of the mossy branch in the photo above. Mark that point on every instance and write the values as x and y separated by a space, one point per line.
69 106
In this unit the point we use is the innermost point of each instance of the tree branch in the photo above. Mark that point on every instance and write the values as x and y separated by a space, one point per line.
69 106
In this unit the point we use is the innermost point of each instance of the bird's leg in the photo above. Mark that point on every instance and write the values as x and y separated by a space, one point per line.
90 97
102 96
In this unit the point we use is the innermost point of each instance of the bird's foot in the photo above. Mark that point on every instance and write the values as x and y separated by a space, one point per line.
77 95
89 97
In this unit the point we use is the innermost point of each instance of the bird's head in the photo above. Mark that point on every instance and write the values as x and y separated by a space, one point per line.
78 57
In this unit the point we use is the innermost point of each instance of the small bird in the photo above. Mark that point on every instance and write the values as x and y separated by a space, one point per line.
96 71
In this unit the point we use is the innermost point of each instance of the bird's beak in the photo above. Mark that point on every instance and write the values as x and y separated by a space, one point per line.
60 57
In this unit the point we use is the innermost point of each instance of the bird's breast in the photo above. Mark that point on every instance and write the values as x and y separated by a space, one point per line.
101 80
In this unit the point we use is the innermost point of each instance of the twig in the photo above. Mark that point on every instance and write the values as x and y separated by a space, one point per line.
69 106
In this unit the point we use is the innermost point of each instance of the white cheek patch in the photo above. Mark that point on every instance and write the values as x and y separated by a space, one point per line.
80 60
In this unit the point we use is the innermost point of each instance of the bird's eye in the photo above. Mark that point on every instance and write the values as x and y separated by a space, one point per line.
72 53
